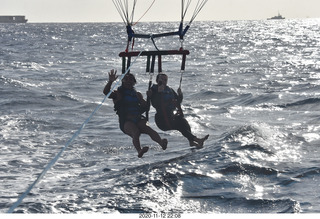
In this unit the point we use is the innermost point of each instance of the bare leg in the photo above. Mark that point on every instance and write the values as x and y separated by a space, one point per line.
133 131
144 128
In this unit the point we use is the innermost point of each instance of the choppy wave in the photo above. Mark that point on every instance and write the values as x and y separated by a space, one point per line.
251 85
302 103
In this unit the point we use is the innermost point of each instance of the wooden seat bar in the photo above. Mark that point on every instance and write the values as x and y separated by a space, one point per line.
150 53
151 56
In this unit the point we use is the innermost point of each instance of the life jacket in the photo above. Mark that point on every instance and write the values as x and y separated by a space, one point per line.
129 105
163 101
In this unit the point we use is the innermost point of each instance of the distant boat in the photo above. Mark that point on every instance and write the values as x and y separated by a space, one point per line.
13 19
278 17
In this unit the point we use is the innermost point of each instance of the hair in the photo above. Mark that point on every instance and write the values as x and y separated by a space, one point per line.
160 74
131 75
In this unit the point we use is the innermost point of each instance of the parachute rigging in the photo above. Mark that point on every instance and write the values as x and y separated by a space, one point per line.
123 8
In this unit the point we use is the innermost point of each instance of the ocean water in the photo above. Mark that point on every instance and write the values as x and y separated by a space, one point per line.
252 85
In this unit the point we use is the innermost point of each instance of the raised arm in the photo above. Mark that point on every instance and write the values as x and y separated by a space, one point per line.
112 77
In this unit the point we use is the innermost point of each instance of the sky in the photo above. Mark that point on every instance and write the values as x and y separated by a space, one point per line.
37 11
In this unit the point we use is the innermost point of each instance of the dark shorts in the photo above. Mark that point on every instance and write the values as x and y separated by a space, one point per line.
176 122
135 121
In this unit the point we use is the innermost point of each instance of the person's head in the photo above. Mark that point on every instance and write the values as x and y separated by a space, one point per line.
129 80
162 79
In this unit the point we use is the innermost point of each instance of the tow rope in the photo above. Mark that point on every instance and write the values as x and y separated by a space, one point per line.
55 159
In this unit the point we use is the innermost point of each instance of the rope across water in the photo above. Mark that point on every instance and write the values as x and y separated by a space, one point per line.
75 135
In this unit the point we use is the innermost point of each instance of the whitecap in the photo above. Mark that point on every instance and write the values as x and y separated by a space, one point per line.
309 137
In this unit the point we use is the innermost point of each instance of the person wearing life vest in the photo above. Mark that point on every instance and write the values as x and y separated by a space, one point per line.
129 105
169 115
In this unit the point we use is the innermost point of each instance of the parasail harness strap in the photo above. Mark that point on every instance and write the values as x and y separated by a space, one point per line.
123 9
150 65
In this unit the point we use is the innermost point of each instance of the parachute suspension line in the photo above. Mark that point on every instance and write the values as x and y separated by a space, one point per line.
144 13
148 98
198 8
133 9
126 11
181 76
122 7
76 134
121 10
183 64
151 73
154 43
184 9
